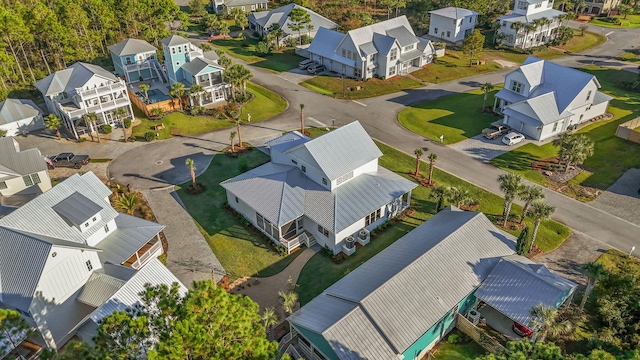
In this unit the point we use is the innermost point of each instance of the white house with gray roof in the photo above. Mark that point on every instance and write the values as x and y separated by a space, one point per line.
401 302
328 190
20 116
542 99
67 253
226 6
81 89
260 21
22 173
540 14
384 49
452 24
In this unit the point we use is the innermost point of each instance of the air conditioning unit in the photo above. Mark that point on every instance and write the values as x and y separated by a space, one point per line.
474 316
349 242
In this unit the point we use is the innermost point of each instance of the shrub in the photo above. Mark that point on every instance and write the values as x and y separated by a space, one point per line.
149 136
156 113
262 48
454 339
107 129
306 39
291 41
127 123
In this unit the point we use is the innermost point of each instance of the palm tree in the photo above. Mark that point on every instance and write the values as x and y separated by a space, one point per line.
595 272
232 136
52 122
517 26
127 203
527 29
539 211
538 23
418 152
91 118
192 171
486 88
460 196
529 194
177 92
580 5
440 194
120 113
269 319
145 88
289 300
510 184
276 32
239 133
236 75
432 160
545 321
195 92
302 119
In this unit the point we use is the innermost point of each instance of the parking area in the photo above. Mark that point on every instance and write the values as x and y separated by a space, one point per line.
483 149
296 75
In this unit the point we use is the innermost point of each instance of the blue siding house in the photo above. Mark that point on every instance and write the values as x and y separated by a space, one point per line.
135 60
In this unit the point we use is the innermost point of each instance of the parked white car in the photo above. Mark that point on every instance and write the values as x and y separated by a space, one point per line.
512 138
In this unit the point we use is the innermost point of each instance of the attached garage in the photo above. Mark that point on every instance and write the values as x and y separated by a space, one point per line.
20 116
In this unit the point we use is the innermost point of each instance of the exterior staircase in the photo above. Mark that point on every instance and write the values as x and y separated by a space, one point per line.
310 239
161 74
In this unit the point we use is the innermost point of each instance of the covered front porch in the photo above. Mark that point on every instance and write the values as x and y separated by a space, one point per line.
148 251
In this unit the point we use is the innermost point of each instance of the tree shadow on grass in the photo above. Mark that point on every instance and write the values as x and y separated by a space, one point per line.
514 160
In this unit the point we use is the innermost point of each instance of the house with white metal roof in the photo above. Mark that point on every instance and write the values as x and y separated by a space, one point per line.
542 99
22 173
64 254
135 60
20 116
452 24
539 14
226 6
402 301
261 21
329 190
81 89
384 49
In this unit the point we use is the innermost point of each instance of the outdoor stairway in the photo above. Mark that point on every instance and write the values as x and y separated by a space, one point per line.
310 239
161 74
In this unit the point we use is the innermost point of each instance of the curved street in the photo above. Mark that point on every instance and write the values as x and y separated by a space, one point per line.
162 163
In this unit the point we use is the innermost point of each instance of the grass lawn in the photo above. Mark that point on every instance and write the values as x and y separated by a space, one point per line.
240 251
613 156
632 21
446 116
264 105
581 43
465 351
551 234
630 56
333 86
454 65
279 61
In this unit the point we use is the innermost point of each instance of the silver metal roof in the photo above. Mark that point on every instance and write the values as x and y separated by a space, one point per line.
542 108
71 78
525 19
403 35
174 40
453 12
21 162
409 286
281 16
516 284
76 208
325 43
211 55
197 65
98 289
364 34
131 47
287 141
131 234
368 49
12 110
244 2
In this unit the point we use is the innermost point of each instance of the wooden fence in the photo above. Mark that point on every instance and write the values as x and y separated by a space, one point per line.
166 105
627 130
480 336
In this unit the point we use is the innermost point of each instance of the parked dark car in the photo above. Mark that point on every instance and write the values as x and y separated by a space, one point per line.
521 330
68 160
316 68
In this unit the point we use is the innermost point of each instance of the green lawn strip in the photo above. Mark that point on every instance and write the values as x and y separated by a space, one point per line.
264 105
519 161
629 56
551 234
461 351
454 65
581 43
333 86
239 250
245 49
632 21
446 116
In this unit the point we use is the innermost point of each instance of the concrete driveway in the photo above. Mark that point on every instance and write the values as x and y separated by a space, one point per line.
296 75
483 149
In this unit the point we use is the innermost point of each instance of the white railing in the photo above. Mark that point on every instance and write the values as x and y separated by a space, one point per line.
102 90
138 66
291 244
99 108
193 54
142 259
284 342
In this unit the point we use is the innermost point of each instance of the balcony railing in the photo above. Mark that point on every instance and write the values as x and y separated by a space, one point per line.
154 251
139 66
102 90
294 242
99 108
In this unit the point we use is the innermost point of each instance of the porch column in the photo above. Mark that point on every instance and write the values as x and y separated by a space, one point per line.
130 112
409 198
137 257
495 102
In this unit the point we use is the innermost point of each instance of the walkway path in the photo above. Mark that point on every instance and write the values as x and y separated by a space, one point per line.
189 256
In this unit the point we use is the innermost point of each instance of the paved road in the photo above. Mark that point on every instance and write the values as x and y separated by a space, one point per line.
378 116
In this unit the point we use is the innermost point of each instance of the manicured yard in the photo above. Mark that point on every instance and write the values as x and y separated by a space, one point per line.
457 117
240 251
279 61
632 21
551 234
630 56
333 86
264 105
613 156
454 65
467 351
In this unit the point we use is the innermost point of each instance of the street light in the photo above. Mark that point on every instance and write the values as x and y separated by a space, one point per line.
333 122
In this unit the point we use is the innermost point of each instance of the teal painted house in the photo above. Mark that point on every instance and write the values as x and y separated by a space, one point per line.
404 300
135 60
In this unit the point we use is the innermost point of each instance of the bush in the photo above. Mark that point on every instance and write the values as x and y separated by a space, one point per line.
306 39
291 41
454 339
127 123
149 136
107 129
262 48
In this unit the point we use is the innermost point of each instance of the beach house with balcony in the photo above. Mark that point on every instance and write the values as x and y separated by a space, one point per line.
135 60
66 253
532 23
328 190
81 89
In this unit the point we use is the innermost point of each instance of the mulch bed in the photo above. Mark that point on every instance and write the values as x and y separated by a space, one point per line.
424 181
194 190
558 178
239 150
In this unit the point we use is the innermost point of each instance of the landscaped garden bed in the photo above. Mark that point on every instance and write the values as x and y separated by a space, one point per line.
335 87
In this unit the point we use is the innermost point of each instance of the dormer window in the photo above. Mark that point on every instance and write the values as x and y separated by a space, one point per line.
516 86
538 5
522 5
78 211
408 47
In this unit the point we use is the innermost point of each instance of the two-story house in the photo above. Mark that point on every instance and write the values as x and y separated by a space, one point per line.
20 116
532 23
81 89
226 6
542 99
135 60
188 64
261 21
452 24
599 7
22 173
67 252
384 49
328 190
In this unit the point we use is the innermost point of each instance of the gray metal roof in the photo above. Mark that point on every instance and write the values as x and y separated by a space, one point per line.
174 40
131 234
516 284
71 78
281 16
77 208
12 110
49 223
197 65
403 35
131 47
325 43
525 19
542 108
339 151
365 34
98 289
409 286
601 97
21 162
453 12
287 141
368 49
211 55
244 2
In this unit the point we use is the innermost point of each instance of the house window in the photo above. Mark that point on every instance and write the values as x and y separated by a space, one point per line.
373 217
344 52
27 180
106 228
173 50
589 95
471 19
253 7
555 127
349 54
323 231
358 72
267 226
435 30
3 185
344 178
185 48
86 225
36 178
354 55
293 161
324 181
179 50
372 57
177 63
516 86
94 219
392 71
448 33
236 199
394 54
504 24
89 266
522 5
538 5
408 47
303 168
